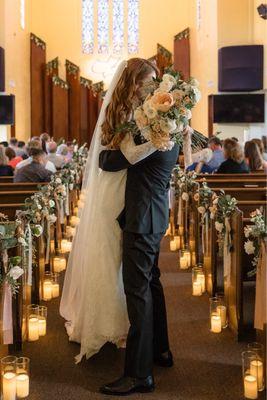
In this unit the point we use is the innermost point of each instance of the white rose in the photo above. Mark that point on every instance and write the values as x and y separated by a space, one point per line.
201 210
52 218
39 206
51 203
58 180
218 226
150 111
185 196
249 247
22 241
15 272
71 186
247 231
165 86
169 79
194 82
168 125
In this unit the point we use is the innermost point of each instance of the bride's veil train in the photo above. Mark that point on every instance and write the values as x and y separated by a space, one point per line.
86 286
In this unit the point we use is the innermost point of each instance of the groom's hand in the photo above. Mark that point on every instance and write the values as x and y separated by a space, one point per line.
113 161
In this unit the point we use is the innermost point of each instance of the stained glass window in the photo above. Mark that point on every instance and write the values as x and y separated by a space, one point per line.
22 14
133 26
88 26
118 26
119 29
103 26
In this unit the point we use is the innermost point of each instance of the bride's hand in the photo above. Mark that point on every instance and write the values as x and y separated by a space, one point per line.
188 131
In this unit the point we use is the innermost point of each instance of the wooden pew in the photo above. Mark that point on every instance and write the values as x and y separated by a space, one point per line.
25 186
252 175
5 179
241 193
15 196
10 209
236 182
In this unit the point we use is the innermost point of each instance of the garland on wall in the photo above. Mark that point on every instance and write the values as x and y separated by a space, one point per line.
182 35
85 82
72 69
39 42
59 82
52 66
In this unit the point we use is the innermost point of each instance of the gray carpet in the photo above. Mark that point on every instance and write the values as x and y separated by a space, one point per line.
207 366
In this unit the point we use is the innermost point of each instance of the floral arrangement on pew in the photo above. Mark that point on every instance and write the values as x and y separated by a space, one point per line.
205 197
255 234
166 112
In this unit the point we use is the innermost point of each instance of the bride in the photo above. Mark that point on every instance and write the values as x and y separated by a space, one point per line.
93 301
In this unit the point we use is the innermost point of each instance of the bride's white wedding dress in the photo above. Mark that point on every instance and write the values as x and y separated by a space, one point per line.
93 301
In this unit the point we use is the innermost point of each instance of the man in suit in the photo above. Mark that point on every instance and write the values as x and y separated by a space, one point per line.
144 221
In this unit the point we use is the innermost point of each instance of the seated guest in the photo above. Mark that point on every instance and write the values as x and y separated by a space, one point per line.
22 150
35 171
264 142
70 151
5 169
253 156
13 159
45 138
234 159
5 144
35 144
56 159
215 145
260 145
13 143
201 161
62 150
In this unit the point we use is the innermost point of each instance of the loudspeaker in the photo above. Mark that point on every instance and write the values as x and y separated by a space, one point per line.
2 69
241 68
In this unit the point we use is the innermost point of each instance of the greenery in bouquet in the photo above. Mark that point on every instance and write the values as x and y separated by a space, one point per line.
166 112
184 183
255 234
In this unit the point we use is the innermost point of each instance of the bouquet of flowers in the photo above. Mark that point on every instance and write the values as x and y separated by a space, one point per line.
166 112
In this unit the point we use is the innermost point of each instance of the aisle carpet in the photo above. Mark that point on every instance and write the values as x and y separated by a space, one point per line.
207 366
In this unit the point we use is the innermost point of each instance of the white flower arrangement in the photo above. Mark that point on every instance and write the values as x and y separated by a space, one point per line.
255 233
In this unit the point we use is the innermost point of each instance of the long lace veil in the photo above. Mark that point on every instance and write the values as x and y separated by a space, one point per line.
72 293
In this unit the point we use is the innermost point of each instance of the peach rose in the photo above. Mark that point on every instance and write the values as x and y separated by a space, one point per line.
162 101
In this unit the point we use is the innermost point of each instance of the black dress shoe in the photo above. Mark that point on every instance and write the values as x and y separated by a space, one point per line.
126 385
164 360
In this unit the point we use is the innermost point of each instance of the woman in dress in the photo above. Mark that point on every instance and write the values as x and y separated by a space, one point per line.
93 301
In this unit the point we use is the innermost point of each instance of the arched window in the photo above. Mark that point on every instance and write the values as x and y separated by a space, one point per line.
110 26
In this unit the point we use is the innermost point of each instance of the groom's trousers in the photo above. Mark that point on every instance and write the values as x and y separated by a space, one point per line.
148 333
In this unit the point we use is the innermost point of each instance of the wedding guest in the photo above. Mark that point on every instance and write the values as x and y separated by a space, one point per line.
57 159
13 159
234 159
215 145
45 138
70 150
5 169
253 156
35 144
22 149
13 143
264 142
62 150
5 144
35 171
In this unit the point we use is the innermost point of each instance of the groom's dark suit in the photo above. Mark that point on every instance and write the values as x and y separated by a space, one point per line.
143 221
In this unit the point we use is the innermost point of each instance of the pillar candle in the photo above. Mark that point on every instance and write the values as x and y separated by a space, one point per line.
183 263
216 323
23 386
221 310
187 255
55 290
256 370
9 386
47 289
173 245
201 279
42 326
250 387
33 329
178 242
197 288
57 264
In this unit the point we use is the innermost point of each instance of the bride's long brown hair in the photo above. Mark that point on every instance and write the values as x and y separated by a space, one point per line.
120 107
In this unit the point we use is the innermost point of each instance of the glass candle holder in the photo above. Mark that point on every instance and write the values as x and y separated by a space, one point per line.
193 259
75 211
55 285
173 246
47 287
196 281
42 320
184 259
59 264
52 246
178 241
70 231
9 375
215 318
65 246
74 221
222 310
33 322
250 376
23 377
258 364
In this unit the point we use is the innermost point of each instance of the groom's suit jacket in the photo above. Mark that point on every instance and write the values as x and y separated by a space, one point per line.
146 198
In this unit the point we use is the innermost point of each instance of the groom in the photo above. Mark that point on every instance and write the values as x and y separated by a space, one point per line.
144 221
